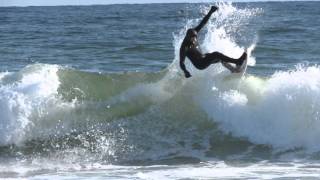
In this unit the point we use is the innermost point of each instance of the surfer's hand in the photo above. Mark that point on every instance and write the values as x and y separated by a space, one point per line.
187 74
213 8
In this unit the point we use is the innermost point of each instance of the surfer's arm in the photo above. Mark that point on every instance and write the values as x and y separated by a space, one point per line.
182 65
206 18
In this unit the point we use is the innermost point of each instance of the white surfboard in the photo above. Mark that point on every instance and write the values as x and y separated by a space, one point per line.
237 69
242 69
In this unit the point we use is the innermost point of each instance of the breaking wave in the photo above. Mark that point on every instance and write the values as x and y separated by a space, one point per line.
128 117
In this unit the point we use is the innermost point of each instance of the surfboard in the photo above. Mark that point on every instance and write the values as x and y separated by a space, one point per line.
237 69
242 69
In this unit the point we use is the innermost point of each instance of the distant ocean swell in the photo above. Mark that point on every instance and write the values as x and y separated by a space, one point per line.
133 117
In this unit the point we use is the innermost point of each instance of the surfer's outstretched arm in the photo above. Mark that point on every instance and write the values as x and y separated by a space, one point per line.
182 66
206 18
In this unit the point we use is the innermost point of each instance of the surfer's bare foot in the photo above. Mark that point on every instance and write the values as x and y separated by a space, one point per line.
242 58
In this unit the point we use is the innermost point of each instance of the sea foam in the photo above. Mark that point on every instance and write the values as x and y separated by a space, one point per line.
281 111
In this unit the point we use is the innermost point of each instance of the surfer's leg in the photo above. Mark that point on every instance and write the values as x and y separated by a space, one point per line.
216 57
230 67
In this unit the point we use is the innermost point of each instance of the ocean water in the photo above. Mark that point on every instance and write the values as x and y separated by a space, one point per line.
95 92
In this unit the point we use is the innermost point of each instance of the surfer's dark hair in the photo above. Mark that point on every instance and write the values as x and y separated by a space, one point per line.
191 33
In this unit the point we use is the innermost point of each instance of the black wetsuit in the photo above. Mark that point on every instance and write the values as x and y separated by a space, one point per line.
190 48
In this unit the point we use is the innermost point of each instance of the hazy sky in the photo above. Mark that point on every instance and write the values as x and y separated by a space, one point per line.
84 2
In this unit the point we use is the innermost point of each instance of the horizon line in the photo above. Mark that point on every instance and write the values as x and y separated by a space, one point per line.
138 3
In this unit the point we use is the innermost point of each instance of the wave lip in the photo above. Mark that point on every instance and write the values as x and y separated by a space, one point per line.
22 95
281 111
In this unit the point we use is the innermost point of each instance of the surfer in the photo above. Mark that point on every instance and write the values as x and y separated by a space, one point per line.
190 48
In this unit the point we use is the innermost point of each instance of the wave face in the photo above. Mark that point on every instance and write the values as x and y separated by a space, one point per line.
135 117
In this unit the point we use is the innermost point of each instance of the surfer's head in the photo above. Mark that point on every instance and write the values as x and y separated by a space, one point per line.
191 33
191 36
